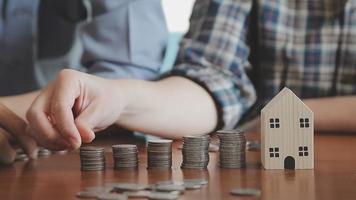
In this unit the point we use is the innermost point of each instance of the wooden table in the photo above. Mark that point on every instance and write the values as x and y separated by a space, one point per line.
59 176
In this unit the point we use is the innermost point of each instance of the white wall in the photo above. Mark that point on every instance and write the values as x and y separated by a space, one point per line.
177 14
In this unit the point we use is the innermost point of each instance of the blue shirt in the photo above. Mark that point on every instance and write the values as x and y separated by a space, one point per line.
109 38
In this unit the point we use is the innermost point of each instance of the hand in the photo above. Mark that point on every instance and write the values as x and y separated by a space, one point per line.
13 128
69 110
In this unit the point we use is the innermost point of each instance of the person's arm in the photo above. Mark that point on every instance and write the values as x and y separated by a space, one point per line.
212 59
124 39
334 113
19 104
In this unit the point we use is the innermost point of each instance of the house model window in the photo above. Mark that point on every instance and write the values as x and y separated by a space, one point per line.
274 123
304 122
274 152
303 151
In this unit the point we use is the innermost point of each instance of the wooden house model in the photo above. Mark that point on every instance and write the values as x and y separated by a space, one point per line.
287 133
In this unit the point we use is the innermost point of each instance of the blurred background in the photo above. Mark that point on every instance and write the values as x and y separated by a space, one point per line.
177 16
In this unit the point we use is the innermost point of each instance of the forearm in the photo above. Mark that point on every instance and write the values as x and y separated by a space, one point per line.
172 107
334 114
19 104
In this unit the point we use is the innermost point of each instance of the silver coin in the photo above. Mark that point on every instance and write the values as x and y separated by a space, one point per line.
111 196
162 196
87 194
196 181
169 188
99 189
246 192
128 186
44 152
21 157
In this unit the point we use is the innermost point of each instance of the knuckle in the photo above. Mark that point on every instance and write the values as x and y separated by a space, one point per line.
66 74
32 115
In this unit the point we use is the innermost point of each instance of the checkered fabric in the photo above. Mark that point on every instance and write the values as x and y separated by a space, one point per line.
243 51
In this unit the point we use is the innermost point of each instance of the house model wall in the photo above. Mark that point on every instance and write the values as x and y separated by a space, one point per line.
287 133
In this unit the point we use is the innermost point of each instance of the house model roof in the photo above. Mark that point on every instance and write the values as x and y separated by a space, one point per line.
285 91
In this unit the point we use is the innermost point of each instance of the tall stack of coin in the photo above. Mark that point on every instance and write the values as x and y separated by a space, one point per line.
159 154
125 156
92 158
195 152
232 149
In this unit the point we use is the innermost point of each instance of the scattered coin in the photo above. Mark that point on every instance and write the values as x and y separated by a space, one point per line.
138 194
87 194
232 149
127 186
99 189
195 152
253 145
92 158
196 181
111 196
246 192
43 152
192 186
169 188
21 157
125 156
159 154
162 196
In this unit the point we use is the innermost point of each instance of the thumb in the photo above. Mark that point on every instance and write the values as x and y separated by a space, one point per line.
7 153
87 121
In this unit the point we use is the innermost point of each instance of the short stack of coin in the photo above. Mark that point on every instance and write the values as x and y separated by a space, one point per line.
92 158
159 154
195 152
232 148
125 156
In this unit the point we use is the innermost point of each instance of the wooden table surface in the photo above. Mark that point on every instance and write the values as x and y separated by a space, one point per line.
59 176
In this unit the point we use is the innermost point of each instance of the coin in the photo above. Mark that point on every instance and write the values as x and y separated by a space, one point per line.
195 152
162 196
159 154
43 152
125 156
111 196
87 194
21 157
92 158
245 192
127 186
232 149
169 188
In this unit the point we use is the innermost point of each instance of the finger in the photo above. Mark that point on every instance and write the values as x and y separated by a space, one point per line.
40 128
7 153
86 122
16 127
63 100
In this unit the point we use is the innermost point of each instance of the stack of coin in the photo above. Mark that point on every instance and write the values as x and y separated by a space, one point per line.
125 156
92 158
159 154
232 149
43 151
195 152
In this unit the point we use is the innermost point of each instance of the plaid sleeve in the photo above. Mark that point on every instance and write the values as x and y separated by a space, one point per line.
214 53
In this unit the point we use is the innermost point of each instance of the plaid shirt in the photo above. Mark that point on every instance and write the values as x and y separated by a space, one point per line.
244 51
